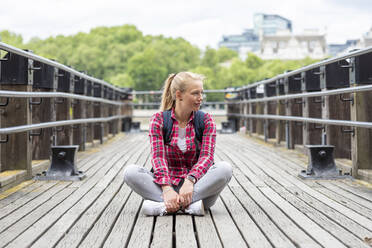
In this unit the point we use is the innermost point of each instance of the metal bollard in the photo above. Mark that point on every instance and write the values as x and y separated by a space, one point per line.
63 166
227 127
321 164
135 127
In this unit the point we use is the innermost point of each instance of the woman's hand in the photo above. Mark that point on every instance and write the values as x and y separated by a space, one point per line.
171 199
186 193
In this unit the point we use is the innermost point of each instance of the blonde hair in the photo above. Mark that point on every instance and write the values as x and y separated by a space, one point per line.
176 81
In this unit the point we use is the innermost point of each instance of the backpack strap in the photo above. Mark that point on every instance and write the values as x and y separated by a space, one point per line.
199 125
167 126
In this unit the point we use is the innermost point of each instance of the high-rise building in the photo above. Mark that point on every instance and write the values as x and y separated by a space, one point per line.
264 24
243 43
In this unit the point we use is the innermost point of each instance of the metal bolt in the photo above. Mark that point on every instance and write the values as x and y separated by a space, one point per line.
322 153
61 155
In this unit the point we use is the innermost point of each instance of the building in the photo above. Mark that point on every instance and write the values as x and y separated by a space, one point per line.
363 42
242 44
287 46
264 24
249 40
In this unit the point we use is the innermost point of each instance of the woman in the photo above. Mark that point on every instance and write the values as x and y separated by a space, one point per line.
184 177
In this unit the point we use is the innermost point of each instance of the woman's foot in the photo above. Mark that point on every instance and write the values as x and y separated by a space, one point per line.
196 208
153 208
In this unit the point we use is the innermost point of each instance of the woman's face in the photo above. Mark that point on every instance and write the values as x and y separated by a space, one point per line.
193 96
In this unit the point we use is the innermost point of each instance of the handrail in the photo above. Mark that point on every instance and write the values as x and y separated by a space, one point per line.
309 94
305 119
309 67
22 94
30 55
23 128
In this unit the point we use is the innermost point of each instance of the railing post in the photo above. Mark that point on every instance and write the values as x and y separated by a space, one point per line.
289 134
361 141
45 80
280 110
16 75
312 107
79 112
89 114
335 76
105 112
98 112
64 108
270 108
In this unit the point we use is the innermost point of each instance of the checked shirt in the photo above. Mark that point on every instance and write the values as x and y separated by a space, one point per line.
170 164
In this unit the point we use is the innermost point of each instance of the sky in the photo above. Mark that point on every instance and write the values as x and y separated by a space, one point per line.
201 22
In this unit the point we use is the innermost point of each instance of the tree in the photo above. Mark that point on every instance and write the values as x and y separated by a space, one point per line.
225 54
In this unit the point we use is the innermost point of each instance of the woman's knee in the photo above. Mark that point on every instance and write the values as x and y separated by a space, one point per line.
130 172
225 170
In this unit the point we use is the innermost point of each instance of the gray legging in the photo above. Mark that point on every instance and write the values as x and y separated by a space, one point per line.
207 188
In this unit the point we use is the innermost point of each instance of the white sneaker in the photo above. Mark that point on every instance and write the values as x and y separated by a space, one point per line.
153 208
195 208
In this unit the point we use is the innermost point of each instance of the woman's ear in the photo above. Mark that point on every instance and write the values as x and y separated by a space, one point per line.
178 95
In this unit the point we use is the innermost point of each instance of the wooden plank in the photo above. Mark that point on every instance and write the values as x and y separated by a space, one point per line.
361 140
31 205
307 224
260 215
16 154
119 237
314 191
342 199
355 188
228 232
19 227
80 229
338 231
15 195
298 236
185 235
42 113
206 231
50 218
250 231
352 226
63 225
142 232
24 200
163 232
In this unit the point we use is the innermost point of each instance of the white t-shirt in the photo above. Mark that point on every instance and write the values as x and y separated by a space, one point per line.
182 139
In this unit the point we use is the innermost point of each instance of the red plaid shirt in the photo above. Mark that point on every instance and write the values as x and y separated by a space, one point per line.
170 164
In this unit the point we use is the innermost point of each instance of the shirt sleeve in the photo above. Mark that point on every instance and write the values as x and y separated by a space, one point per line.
206 157
158 160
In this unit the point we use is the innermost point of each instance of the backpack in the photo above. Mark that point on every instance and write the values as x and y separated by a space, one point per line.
198 126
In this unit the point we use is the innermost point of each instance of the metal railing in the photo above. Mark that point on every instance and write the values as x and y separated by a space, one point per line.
85 107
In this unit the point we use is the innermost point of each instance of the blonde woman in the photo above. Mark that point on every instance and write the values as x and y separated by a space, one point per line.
184 176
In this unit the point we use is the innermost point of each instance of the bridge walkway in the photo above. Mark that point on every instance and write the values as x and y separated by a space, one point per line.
265 205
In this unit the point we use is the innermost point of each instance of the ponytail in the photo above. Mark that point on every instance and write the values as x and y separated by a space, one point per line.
167 100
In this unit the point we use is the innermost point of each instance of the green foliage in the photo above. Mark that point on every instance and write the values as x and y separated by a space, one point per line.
11 38
122 55
224 54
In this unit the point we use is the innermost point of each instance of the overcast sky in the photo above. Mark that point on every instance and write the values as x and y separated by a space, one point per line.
202 22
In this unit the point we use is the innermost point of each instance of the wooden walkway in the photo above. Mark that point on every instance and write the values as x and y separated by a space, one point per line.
265 205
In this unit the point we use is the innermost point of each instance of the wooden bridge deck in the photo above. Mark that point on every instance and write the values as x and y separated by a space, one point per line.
265 205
